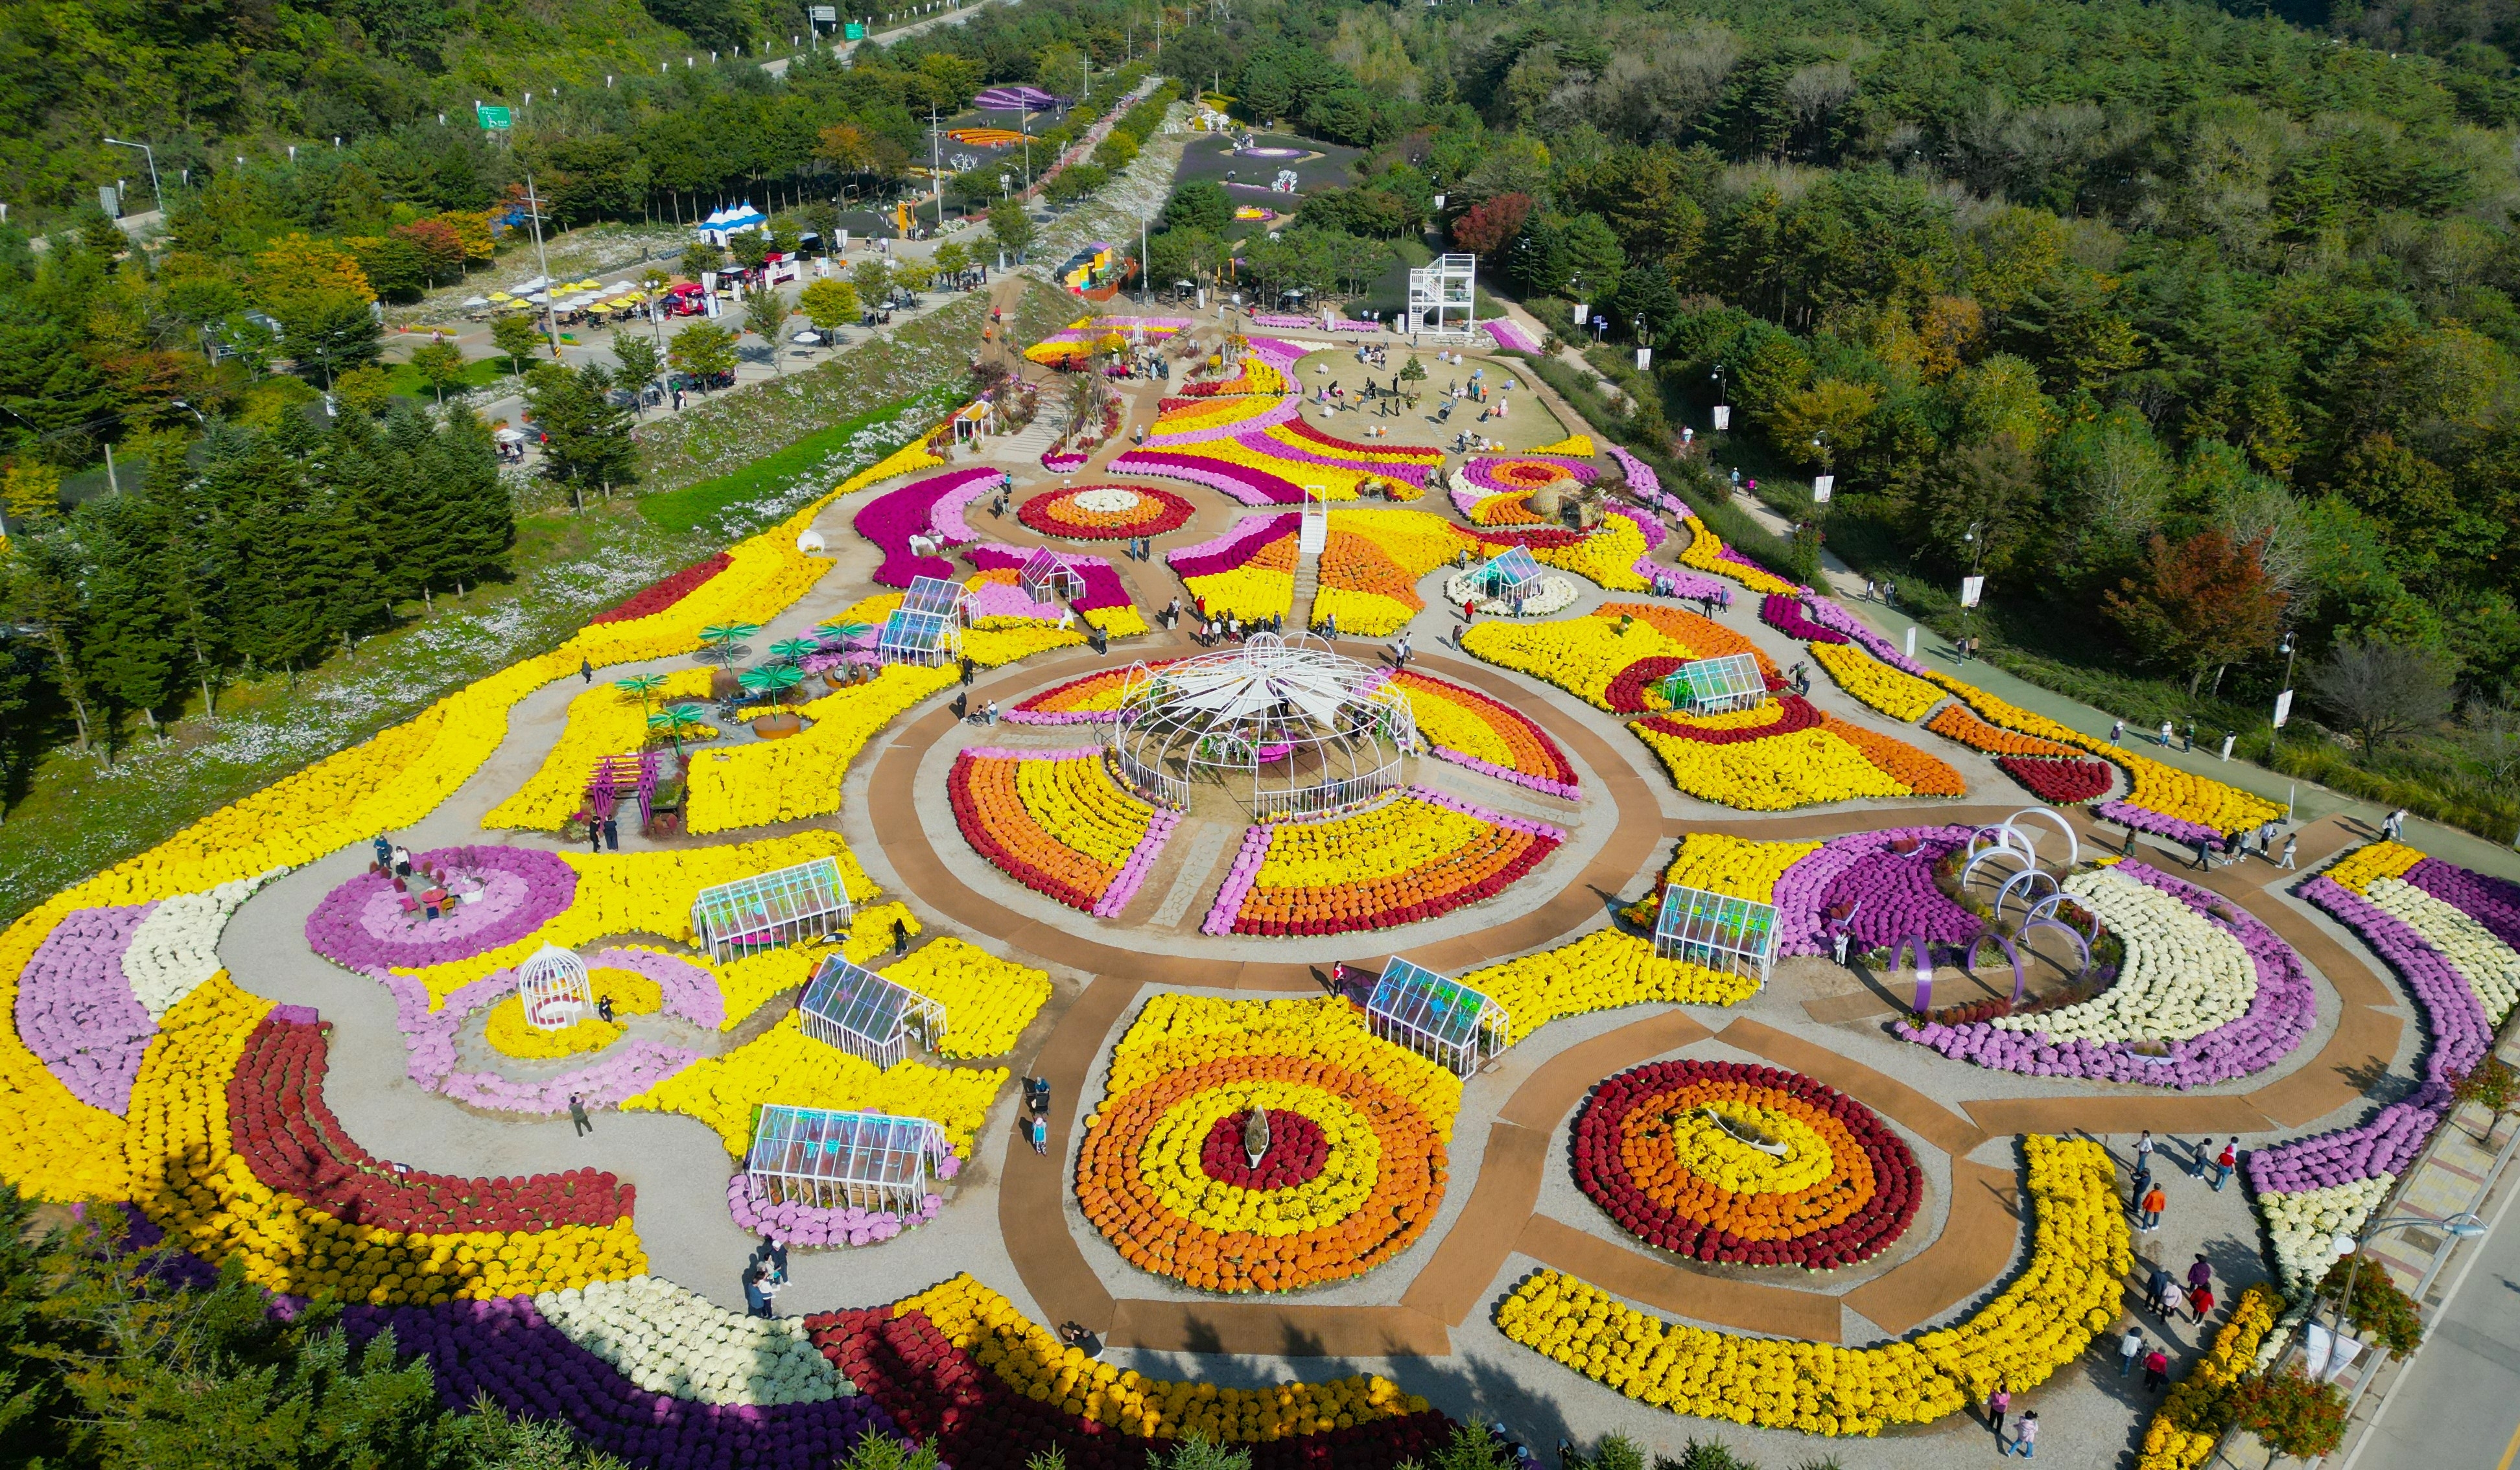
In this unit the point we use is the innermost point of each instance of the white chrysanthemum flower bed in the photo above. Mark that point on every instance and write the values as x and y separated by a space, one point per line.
1556 595
2492 968
2303 1227
176 947
671 1341
2182 976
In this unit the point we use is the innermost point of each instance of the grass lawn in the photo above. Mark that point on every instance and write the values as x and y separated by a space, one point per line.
480 373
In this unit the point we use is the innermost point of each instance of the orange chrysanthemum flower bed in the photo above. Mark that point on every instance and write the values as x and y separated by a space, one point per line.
1955 722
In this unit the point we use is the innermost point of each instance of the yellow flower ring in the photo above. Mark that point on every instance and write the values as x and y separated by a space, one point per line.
1353 1174
1749 1165
1104 512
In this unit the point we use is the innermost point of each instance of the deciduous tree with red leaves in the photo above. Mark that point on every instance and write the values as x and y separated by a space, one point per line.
1487 228
2199 604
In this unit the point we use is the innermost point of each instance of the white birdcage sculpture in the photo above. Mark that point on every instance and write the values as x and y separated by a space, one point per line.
554 989
1510 578
1047 575
783 907
1716 930
1444 1019
864 1014
1716 685
830 1160
1287 726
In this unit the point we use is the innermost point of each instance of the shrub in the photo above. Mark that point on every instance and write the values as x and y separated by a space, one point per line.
2292 1415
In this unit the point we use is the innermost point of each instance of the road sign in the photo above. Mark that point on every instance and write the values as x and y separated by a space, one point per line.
494 118
853 31
827 14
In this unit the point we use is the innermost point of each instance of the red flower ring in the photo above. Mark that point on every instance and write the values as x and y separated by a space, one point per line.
1724 1161
1296 1153
1104 512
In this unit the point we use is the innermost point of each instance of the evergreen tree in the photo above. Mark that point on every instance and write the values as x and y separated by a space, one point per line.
128 629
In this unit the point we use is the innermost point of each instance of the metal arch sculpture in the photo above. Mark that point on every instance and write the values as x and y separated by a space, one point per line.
2081 948
2048 907
2027 881
2073 844
2020 981
1924 963
1968 872
2007 838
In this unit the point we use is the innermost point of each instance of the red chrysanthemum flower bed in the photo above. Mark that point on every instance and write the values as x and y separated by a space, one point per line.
2057 783
663 593
1297 1152
1058 512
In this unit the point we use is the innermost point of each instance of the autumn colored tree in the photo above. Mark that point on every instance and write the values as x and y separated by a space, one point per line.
472 231
1487 228
300 265
440 249
2199 604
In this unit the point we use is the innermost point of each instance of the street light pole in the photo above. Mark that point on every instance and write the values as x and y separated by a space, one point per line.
542 263
152 153
2290 646
2465 1225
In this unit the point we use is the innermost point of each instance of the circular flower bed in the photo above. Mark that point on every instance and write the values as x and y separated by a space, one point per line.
1526 472
1351 1172
1724 1161
363 923
1104 512
1556 594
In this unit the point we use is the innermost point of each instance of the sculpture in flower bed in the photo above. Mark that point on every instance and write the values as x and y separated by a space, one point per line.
1745 1165
1343 1191
1418 856
2066 1294
2208 993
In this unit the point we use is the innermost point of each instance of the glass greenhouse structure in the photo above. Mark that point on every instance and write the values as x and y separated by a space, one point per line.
784 906
864 1014
1415 1008
1716 685
1508 578
831 1159
1716 930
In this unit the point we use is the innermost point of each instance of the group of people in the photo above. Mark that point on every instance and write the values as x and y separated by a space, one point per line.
1231 628
763 1275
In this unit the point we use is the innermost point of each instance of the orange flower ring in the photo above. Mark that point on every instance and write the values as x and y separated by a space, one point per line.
1104 512
1366 1156
1733 1162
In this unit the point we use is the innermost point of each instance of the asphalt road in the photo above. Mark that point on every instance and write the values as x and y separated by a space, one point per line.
778 67
2457 1406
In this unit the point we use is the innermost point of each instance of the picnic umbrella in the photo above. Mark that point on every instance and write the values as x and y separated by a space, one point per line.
843 633
640 685
772 679
678 721
723 637
791 649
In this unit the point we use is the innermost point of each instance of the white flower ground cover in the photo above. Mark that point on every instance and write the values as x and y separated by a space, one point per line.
2182 976
669 1341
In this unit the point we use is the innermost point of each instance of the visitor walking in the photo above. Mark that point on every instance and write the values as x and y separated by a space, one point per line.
2154 1202
2200 1273
2292 845
2200 1301
2140 1181
385 853
2026 1437
2398 825
612 834
757 1301
1040 1135
578 1115
2156 1370
1998 1404
2143 1151
594 835
967 671
2204 852
2224 1162
2157 1290
2189 742
989 714
2130 1347
900 939
586 670
2165 734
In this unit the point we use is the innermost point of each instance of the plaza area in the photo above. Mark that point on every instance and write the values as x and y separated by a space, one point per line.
1198 898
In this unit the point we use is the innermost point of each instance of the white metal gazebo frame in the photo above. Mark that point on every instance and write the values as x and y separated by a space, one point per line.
1047 575
1443 1019
767 909
853 1008
1716 685
830 1159
554 989
1716 930
1256 716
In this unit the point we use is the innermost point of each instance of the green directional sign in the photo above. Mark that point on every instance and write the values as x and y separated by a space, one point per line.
853 31
494 118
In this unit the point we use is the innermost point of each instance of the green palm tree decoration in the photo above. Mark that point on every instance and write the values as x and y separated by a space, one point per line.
722 638
791 650
640 685
772 679
678 721
843 633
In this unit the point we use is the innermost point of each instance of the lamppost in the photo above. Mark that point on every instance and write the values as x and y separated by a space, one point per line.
2290 646
1977 556
2466 1225
153 169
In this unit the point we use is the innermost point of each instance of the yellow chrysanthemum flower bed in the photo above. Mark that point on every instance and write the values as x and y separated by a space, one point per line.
1895 693
783 1065
1604 971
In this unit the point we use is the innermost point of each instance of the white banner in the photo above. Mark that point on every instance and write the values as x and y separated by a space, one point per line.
2324 1355
1911 642
2284 709
1972 588
1823 485
1723 418
1583 313
1439 201
1645 358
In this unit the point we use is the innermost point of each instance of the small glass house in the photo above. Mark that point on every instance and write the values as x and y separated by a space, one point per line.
864 1014
784 906
1047 576
925 639
1716 685
1510 578
831 1159
1716 930
938 595
1444 1019
554 989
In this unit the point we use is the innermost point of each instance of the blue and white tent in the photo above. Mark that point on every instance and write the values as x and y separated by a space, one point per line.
733 220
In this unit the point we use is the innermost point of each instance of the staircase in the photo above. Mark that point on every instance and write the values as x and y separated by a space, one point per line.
1312 536
1027 443
1308 581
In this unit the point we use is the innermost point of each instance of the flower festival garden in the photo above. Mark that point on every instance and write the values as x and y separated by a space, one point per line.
1017 961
